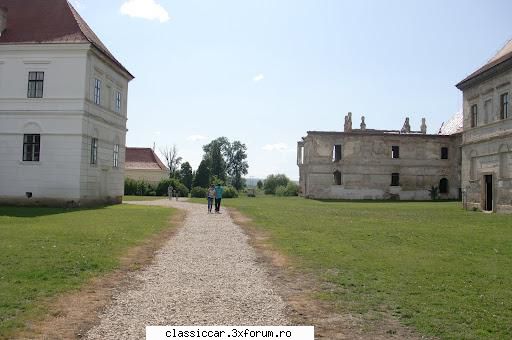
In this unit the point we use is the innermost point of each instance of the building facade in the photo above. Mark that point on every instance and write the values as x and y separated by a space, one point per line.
487 137
378 164
63 99
144 164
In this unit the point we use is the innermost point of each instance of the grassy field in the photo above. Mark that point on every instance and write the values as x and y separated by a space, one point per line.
142 198
47 251
442 270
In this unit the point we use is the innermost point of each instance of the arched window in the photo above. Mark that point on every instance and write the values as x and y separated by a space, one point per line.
337 177
443 186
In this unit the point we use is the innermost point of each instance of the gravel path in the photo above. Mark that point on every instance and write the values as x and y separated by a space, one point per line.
207 274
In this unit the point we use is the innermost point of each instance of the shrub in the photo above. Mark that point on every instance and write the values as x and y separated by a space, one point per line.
163 185
230 192
273 181
130 186
280 191
142 188
292 189
198 192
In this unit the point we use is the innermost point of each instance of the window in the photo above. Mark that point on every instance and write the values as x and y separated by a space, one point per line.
337 177
116 155
474 115
488 111
444 153
35 85
94 151
97 91
395 152
504 106
118 102
336 153
443 186
31 148
395 179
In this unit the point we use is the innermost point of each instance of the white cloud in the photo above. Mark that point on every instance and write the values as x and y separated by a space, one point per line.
146 9
258 77
195 138
276 147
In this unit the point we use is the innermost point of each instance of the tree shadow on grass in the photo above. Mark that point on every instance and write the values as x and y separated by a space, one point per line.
30 212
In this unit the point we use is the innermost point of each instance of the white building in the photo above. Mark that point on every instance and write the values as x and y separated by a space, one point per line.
63 99
144 164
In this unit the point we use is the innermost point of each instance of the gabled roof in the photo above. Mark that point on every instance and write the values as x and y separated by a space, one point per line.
49 22
503 55
143 158
453 125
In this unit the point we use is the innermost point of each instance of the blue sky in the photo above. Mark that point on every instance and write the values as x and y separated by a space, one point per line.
266 71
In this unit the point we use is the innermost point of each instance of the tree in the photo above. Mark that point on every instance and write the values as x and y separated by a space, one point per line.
186 175
171 159
214 153
236 164
274 181
259 184
202 177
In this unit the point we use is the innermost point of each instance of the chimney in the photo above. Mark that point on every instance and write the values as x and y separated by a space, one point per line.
3 20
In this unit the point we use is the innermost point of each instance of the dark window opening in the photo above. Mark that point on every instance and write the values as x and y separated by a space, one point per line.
504 106
31 148
35 84
94 150
444 153
336 153
395 179
337 177
443 186
395 151
474 115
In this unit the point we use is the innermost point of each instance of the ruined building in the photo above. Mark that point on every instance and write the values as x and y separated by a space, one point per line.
470 158
379 164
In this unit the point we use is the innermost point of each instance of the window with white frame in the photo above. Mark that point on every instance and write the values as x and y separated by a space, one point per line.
118 101
97 91
31 147
116 155
94 151
35 85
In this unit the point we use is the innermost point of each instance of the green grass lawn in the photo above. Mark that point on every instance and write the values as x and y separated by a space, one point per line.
142 198
445 271
47 251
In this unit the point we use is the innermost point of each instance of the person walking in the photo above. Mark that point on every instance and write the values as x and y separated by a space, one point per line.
218 197
211 196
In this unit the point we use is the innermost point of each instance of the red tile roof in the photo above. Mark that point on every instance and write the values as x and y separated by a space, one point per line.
49 22
504 54
143 158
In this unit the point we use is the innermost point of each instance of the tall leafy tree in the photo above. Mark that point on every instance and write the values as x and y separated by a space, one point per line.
214 153
202 177
186 175
236 163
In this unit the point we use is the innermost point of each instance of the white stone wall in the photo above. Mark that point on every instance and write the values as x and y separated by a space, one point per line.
66 119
